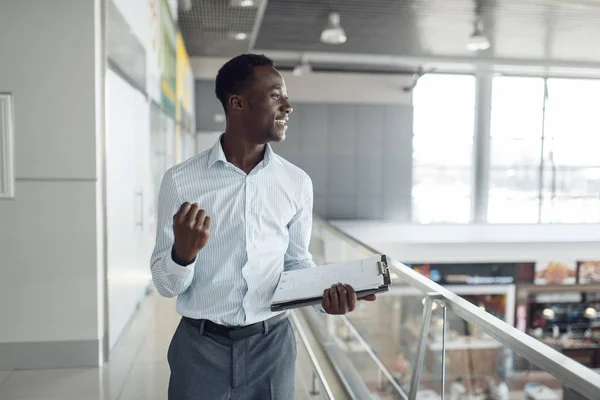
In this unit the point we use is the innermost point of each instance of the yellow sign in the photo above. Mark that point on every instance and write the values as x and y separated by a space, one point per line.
183 95
185 80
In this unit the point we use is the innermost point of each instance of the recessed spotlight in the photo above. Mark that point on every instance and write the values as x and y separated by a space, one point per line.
238 35
243 3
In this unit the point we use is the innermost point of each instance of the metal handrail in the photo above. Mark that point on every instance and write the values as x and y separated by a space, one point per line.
571 373
311 355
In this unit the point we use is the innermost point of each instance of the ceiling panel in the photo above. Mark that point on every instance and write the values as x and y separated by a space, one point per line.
538 29
210 27
563 30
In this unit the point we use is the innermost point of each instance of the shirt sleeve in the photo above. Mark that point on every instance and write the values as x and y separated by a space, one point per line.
170 278
298 255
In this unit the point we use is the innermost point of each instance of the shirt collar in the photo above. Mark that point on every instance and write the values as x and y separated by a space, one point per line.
217 154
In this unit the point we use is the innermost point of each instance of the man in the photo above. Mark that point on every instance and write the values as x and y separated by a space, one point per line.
230 221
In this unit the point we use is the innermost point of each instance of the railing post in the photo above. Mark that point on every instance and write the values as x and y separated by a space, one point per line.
315 384
444 310
380 381
417 370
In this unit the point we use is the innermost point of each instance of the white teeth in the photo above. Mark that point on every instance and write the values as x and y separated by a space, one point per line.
280 121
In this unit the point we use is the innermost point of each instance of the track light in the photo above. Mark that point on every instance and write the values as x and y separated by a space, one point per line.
478 41
304 68
333 32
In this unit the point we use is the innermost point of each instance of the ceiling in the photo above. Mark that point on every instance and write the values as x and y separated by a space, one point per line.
532 32
210 26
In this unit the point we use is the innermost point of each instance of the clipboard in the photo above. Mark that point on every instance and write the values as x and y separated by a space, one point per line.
293 286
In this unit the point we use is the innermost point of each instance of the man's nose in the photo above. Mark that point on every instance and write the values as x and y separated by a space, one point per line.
287 107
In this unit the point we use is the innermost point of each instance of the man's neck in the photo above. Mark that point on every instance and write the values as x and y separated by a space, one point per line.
240 152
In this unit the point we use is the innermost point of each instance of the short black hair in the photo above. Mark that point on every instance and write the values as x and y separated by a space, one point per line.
234 74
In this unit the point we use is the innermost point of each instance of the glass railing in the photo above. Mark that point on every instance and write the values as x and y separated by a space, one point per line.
421 341
310 379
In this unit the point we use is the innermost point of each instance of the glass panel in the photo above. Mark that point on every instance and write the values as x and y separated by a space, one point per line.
449 150
391 326
507 152
570 210
513 195
502 210
517 108
445 91
480 367
444 112
441 195
516 143
444 107
571 195
572 182
308 383
573 122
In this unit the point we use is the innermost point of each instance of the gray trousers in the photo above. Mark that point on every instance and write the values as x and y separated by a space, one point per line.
207 366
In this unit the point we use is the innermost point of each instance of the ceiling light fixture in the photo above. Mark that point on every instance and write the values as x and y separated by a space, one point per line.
304 68
243 3
238 35
478 41
333 32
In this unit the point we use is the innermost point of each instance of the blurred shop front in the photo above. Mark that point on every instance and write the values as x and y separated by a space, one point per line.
558 303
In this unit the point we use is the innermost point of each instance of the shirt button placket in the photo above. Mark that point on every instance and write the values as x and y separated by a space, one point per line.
247 212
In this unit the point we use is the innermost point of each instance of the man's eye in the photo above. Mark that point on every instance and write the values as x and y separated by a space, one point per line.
275 95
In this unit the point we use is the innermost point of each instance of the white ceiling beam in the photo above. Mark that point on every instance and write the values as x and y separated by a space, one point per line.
446 63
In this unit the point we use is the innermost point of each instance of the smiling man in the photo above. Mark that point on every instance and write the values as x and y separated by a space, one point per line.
231 220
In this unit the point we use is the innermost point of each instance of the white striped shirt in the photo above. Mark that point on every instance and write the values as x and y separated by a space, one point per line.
260 226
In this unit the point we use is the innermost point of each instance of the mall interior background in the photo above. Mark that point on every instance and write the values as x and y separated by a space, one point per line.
478 169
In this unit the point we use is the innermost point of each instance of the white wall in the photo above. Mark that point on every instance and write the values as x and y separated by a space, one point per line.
477 243
130 201
48 234
327 87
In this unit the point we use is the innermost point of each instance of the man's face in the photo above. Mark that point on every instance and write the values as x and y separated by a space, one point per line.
266 110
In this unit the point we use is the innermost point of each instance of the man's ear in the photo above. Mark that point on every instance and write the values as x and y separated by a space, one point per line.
236 102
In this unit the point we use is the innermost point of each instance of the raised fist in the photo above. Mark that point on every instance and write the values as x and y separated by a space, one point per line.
191 227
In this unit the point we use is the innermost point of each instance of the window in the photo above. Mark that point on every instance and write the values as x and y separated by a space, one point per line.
571 169
543 163
444 110
516 128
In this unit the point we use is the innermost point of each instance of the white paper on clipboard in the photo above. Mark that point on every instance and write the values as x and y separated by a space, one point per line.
308 283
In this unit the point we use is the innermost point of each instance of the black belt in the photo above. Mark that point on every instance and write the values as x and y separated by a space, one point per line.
236 332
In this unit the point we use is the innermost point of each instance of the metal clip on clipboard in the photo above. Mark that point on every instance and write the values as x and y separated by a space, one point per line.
382 269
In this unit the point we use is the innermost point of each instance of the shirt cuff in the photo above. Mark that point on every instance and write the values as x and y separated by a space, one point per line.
177 269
